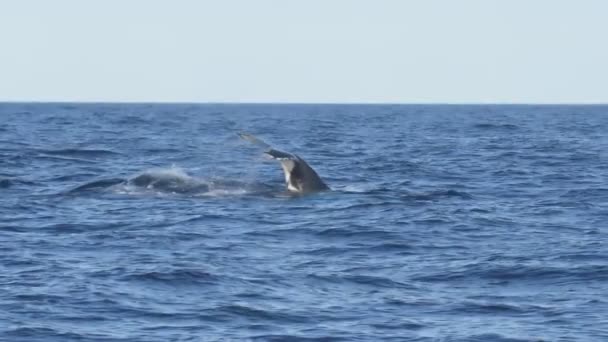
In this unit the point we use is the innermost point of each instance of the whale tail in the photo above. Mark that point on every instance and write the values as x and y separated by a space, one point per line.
268 150
299 176
254 140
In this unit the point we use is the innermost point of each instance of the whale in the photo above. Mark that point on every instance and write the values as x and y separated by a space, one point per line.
161 180
299 176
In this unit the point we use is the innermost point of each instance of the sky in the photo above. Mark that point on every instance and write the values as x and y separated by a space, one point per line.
320 51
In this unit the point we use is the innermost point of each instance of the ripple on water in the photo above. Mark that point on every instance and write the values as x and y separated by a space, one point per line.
517 273
176 277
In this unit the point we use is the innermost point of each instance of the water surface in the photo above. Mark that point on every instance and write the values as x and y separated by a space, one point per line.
445 223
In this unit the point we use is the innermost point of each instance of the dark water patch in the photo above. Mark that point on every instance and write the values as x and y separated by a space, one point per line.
584 156
256 314
130 120
159 150
298 338
362 280
362 206
14 229
493 221
598 193
358 232
176 277
83 318
5 183
15 145
599 256
494 338
435 195
499 127
80 153
71 228
67 159
450 246
508 173
300 230
491 308
416 303
398 248
327 251
72 177
24 265
521 273
15 182
377 282
399 325
432 221
39 298
568 203
44 334
394 246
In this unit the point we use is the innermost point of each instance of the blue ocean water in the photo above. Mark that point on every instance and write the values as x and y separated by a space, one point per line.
444 223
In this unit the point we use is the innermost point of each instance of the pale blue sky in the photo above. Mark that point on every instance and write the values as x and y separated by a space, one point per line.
426 51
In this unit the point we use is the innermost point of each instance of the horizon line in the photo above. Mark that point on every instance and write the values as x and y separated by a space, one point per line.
362 103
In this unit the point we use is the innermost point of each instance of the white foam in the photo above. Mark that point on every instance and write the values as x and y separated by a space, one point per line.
355 188
224 192
171 172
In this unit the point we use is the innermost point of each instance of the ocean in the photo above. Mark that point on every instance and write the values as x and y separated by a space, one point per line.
443 223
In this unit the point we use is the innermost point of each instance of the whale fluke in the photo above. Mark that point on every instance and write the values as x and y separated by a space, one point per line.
299 176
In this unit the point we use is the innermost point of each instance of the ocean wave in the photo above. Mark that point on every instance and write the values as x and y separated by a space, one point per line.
490 308
355 206
248 312
520 273
75 228
157 150
359 232
435 194
390 194
389 247
493 337
375 281
38 298
69 159
79 152
71 177
399 325
587 194
34 333
490 126
367 280
174 277
297 338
